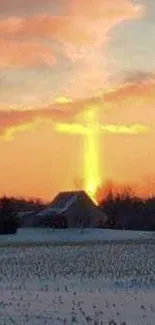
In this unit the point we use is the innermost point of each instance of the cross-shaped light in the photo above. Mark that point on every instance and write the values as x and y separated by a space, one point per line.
91 130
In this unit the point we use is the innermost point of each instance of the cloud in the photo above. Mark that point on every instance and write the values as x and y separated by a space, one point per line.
138 88
80 23
24 54
7 6
139 77
100 8
95 19
64 113
14 121
80 32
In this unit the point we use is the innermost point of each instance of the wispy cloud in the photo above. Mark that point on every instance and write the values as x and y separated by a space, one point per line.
14 121
25 54
7 6
138 88
140 93
80 32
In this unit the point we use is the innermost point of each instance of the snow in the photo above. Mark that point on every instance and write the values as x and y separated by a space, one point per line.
77 283
41 235
47 211
30 307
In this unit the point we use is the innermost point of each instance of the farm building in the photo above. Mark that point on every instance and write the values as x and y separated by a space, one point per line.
68 210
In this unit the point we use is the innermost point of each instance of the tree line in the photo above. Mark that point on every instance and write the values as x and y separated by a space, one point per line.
130 212
124 211
9 212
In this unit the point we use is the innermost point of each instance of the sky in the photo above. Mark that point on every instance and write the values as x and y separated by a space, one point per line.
58 58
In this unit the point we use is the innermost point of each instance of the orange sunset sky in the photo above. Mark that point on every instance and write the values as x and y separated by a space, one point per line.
59 58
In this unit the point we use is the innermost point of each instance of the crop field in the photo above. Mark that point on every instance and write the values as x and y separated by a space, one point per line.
95 284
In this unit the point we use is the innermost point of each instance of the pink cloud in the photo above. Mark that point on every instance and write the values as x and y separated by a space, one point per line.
133 95
140 90
57 112
24 54
84 25
7 6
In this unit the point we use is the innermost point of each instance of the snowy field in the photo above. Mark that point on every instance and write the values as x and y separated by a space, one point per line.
98 284
45 235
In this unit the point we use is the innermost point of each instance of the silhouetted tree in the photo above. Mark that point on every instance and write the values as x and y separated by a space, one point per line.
8 220
125 211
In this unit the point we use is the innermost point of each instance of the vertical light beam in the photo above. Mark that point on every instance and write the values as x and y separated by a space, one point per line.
92 172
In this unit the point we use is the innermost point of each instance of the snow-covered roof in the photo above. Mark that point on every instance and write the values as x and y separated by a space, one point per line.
60 204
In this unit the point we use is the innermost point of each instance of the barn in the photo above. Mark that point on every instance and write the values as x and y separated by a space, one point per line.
71 209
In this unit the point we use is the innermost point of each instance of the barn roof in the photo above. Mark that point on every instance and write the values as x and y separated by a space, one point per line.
60 203
64 200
